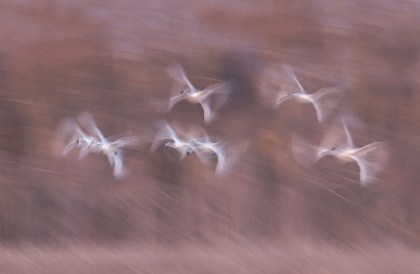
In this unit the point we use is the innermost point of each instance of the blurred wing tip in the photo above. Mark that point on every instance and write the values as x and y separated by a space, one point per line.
120 175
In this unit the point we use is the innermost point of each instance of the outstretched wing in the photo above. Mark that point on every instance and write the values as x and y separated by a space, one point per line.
230 156
177 72
207 150
334 138
325 101
85 118
361 152
325 91
124 141
350 143
220 93
219 88
66 136
371 160
167 105
164 133
369 168
290 72
276 83
119 169
283 96
208 115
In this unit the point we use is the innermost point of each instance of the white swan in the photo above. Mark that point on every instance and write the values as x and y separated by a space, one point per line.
193 95
205 149
322 109
167 136
112 149
339 144
79 138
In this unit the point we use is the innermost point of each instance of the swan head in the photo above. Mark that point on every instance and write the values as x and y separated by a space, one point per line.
185 91
326 152
334 151
166 143
189 151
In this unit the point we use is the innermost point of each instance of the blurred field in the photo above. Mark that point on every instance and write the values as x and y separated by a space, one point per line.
227 259
58 58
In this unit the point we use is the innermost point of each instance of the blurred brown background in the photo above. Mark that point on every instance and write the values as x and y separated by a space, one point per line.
58 58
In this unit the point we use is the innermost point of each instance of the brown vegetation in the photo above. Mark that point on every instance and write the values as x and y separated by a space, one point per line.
57 60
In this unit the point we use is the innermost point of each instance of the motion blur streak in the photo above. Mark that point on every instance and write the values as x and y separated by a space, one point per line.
269 214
